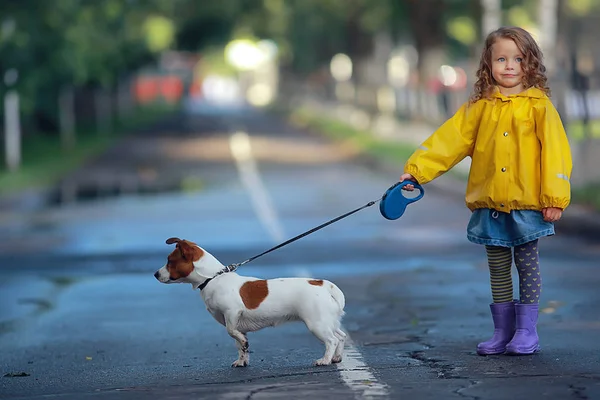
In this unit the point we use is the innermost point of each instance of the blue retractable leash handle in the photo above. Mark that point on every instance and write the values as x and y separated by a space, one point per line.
394 203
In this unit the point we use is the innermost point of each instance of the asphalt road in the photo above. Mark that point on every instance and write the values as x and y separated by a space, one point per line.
83 317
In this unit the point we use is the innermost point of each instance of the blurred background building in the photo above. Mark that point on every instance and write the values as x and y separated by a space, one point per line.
71 67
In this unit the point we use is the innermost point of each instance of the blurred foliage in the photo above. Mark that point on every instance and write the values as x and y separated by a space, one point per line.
583 7
160 32
96 43
463 29
71 42
579 131
588 195
214 63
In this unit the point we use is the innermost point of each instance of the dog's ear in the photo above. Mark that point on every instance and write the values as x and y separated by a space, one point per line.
189 251
173 240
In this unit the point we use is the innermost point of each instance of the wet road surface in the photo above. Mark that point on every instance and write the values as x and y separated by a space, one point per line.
83 317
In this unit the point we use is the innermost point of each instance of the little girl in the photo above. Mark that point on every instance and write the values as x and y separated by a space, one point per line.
519 179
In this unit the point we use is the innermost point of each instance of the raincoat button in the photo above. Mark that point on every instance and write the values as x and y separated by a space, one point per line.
505 133
502 205
503 169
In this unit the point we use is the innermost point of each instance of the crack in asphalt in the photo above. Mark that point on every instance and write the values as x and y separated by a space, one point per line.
271 387
203 384
589 376
578 392
407 339
274 376
444 371
460 390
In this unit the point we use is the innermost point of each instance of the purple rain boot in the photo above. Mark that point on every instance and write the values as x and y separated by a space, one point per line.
526 340
503 315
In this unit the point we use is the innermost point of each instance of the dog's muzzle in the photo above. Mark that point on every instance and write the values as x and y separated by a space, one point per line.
162 275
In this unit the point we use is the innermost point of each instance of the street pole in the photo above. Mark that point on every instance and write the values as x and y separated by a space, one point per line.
548 23
492 16
12 123
12 131
12 118
66 104
103 108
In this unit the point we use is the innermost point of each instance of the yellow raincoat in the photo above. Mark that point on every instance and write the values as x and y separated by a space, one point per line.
521 158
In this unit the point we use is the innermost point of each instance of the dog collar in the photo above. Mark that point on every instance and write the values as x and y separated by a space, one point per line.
204 284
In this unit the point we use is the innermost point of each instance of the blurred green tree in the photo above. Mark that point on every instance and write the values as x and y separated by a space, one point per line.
78 43
87 44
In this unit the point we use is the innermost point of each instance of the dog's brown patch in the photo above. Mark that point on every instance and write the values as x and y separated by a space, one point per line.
316 282
253 293
189 250
180 263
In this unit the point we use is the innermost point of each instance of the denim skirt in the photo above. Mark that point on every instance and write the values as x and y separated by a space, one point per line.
494 228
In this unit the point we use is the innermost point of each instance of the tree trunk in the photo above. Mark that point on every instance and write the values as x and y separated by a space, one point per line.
359 45
66 103
426 19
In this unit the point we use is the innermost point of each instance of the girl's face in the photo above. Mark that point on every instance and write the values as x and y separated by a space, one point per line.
506 66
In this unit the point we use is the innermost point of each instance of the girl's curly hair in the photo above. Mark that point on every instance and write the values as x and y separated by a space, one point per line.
534 71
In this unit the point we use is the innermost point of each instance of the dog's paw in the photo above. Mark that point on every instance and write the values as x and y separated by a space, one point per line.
240 363
322 361
336 359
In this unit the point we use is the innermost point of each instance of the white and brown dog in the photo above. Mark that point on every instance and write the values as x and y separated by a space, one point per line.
245 304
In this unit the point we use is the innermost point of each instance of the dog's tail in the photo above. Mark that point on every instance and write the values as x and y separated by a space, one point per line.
338 296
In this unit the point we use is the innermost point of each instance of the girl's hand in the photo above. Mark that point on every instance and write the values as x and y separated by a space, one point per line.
551 214
408 177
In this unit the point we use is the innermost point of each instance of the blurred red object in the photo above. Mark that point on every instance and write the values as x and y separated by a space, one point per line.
148 89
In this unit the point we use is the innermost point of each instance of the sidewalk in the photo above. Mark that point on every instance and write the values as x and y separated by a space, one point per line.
577 219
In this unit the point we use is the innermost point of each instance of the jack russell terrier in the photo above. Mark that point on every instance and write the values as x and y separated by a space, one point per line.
245 304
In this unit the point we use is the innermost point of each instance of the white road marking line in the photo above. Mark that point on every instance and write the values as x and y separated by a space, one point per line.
241 149
357 376
353 370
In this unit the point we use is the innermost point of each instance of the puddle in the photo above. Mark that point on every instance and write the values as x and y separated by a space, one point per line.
41 305
25 297
8 326
62 281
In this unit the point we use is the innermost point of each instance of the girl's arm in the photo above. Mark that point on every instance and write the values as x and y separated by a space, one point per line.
556 162
447 146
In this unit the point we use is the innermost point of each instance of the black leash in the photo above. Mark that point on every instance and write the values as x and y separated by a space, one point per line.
395 211
233 267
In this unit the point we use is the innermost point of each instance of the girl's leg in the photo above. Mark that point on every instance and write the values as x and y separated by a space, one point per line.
530 278
503 307
526 340
500 264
